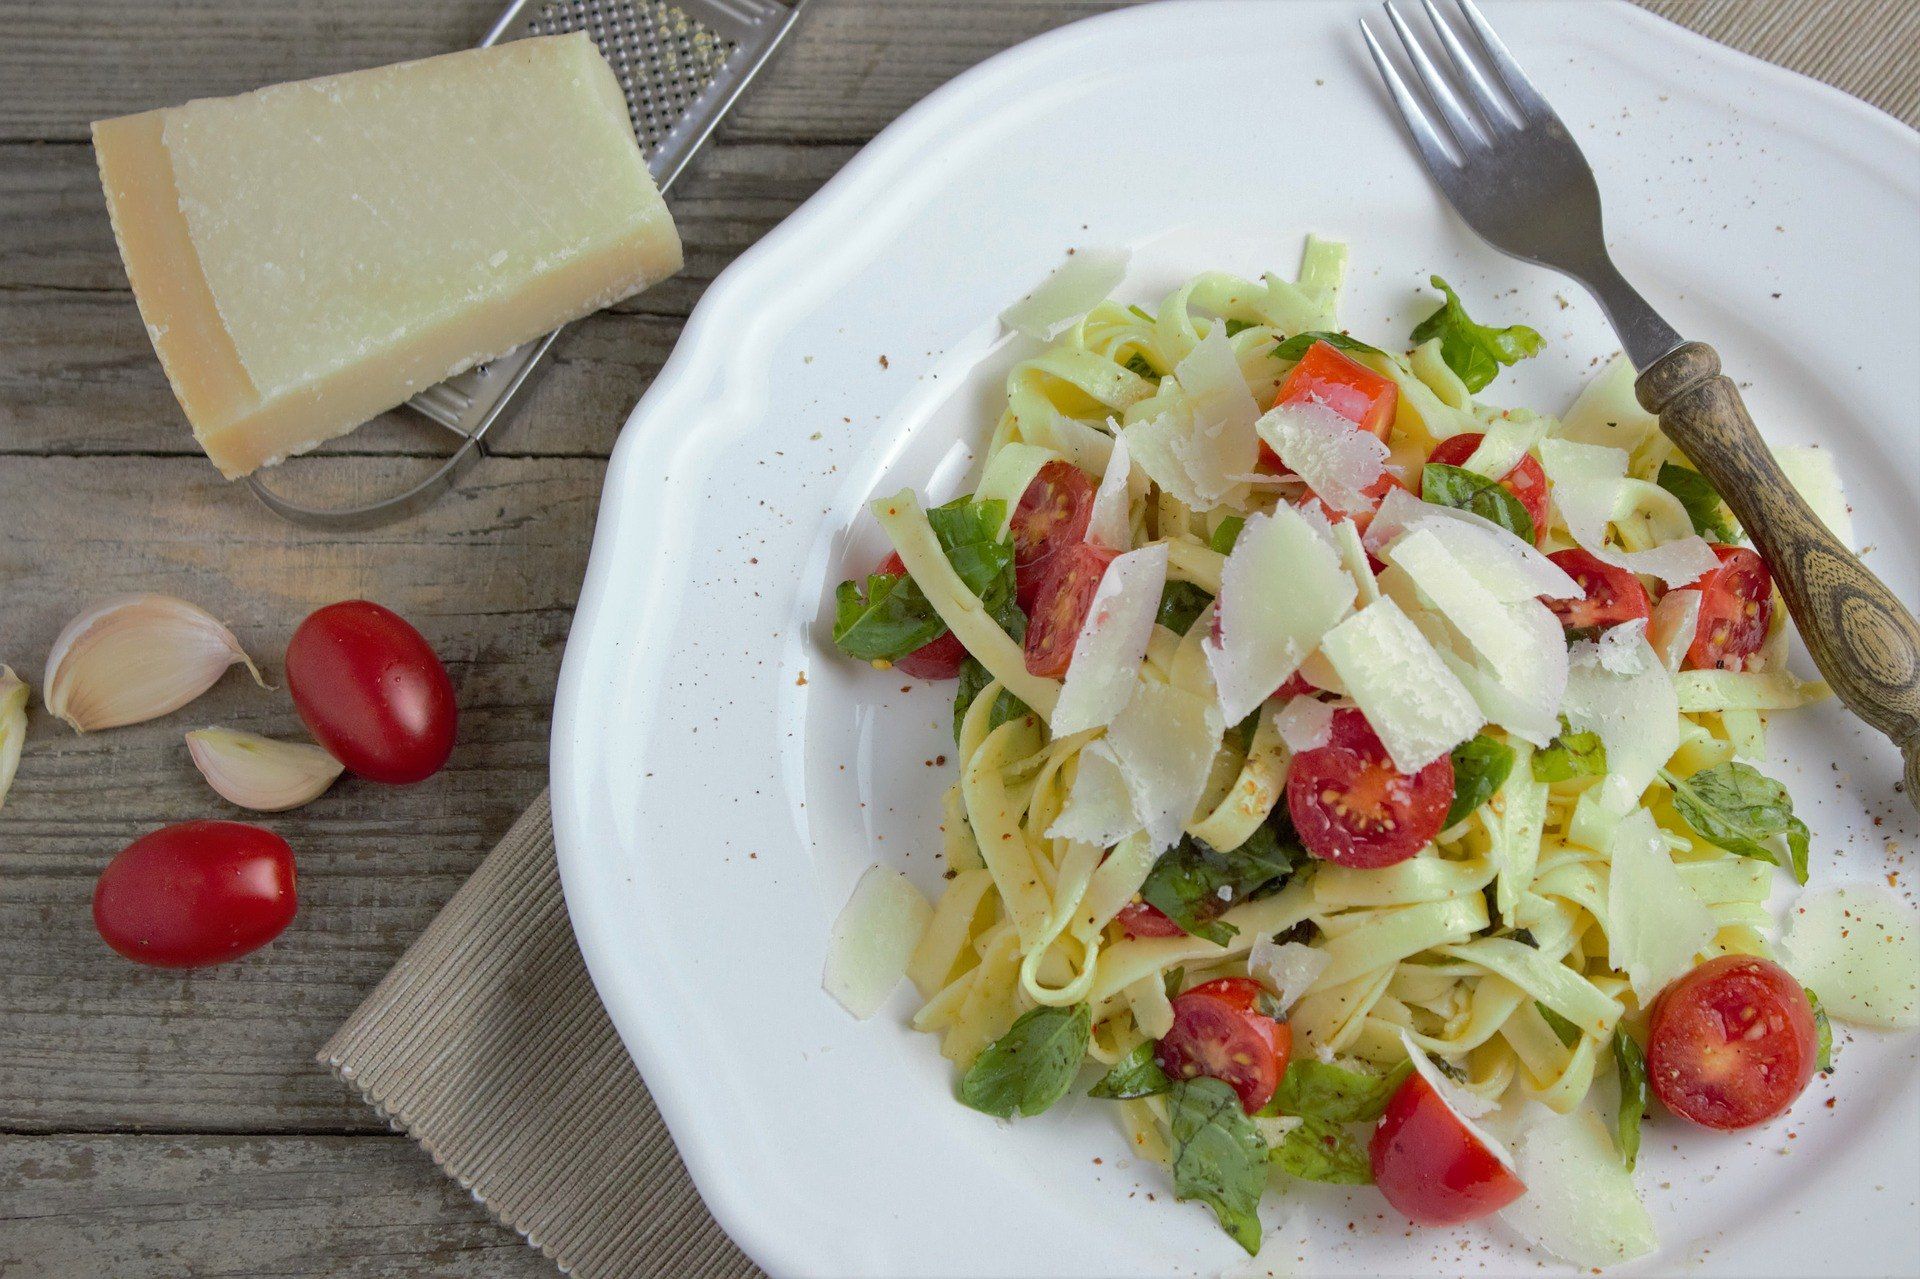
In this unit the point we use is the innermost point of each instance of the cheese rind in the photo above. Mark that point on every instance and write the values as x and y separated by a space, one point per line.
311 254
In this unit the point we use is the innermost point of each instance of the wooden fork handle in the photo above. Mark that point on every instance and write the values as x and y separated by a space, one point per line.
1864 640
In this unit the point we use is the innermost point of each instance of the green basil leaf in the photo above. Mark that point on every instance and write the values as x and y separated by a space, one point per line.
1138 363
1296 346
1227 534
1175 981
1180 604
1823 1035
1466 490
1193 883
1322 1150
1737 807
1236 327
969 532
1569 1034
1709 514
973 678
884 618
1030 1067
1218 1156
1570 755
1137 1074
1474 352
1630 1066
1480 768
1320 1090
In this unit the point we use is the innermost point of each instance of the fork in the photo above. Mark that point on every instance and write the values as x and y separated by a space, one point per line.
1503 157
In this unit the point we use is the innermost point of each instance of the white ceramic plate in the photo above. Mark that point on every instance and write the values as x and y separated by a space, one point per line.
721 779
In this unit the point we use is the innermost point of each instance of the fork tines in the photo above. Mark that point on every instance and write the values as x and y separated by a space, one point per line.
1487 115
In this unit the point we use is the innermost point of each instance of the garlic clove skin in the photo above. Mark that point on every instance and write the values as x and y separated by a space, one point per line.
137 657
260 773
13 726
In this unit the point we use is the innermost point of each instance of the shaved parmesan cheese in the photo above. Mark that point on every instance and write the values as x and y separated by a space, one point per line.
1858 946
1521 645
1081 443
1337 460
1099 808
1319 672
1608 413
1810 470
1506 442
1466 1105
1580 1203
1588 485
1509 568
1622 649
1417 706
1306 724
1164 742
1109 524
1008 473
1112 642
1526 717
1289 970
1185 460
872 940
1656 924
1637 717
1076 286
1222 404
1281 590
1676 619
1353 557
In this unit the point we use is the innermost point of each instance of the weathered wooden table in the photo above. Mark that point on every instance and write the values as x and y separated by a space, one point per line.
153 1123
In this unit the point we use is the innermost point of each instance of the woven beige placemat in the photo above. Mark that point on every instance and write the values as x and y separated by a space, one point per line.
487 1043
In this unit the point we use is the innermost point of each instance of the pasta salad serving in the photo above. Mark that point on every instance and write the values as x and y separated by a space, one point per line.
1357 782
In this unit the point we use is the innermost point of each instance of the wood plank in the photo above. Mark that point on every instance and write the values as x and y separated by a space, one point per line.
490 576
853 66
78 376
148 1207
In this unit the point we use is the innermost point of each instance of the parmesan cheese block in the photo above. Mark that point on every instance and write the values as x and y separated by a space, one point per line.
311 254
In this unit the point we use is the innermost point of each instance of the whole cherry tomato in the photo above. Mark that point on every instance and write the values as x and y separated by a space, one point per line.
372 692
195 894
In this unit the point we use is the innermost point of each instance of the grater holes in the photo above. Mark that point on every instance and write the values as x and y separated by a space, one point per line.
663 58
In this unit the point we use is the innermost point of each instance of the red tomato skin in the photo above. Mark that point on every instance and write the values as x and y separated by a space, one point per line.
372 691
1701 1062
1354 765
1736 607
1221 1038
1052 515
1240 992
1143 919
1430 1167
1344 385
935 660
1613 595
1526 481
1061 604
195 894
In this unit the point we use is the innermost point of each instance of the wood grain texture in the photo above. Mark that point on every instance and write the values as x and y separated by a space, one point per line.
166 1207
1860 635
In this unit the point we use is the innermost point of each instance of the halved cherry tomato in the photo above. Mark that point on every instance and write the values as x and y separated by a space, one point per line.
1216 1033
1613 595
1052 515
1142 919
937 659
1736 607
1525 481
372 691
195 894
1431 1167
1060 606
1732 1043
1352 807
1349 388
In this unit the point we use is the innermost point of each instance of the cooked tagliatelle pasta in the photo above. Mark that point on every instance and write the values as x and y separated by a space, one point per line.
1318 723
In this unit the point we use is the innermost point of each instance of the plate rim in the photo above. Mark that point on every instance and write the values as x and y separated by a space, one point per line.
694 357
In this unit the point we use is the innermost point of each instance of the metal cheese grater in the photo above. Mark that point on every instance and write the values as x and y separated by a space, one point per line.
681 64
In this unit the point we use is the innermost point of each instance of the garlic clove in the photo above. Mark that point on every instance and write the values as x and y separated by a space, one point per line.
135 658
13 726
258 772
